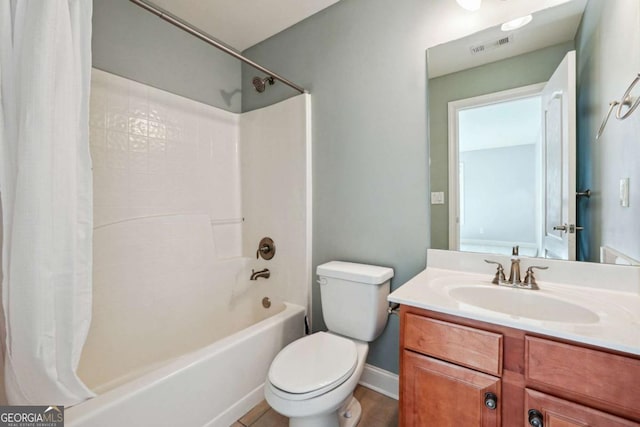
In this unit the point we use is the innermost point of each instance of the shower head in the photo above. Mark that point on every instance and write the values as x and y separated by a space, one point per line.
261 84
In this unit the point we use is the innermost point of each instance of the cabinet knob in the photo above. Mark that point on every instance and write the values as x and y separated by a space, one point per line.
490 400
535 418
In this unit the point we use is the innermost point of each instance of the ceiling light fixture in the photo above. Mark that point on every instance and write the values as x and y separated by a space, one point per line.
516 23
470 5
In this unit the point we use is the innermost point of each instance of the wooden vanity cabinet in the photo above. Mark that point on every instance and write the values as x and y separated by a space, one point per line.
450 373
453 371
444 394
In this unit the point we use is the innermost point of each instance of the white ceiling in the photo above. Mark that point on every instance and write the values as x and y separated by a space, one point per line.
243 23
549 27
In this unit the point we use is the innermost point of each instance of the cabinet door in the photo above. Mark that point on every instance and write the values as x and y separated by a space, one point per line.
440 394
557 412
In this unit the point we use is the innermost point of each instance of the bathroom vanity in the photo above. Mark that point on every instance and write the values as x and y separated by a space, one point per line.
563 356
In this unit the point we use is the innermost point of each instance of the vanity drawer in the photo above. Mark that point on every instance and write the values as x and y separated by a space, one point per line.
609 381
473 348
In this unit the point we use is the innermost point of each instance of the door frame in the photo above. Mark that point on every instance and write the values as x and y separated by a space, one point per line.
453 108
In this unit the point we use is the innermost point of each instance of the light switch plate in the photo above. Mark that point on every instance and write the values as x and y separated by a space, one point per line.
437 198
624 192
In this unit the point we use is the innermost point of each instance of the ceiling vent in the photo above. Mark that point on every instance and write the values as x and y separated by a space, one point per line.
491 45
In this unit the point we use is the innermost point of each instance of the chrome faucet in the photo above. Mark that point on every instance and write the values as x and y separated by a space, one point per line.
514 273
262 273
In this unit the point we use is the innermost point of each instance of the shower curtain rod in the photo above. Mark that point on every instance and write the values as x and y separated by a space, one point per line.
172 19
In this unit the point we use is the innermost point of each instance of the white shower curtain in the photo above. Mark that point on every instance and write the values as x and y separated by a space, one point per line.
46 191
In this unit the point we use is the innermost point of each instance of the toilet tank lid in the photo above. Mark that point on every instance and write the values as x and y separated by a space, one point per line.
361 273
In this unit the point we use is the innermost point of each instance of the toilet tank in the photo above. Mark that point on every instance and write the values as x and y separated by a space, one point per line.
354 298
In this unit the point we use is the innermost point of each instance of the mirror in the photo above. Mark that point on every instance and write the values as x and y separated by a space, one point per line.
495 62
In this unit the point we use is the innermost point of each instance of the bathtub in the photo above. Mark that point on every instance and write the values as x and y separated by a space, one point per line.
212 386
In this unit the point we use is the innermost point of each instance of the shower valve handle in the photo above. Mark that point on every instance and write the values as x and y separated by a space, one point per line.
266 249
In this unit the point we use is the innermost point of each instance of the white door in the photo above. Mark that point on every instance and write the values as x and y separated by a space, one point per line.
559 162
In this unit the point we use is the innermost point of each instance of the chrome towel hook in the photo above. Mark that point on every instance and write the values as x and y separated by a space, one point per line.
626 100
627 95
612 105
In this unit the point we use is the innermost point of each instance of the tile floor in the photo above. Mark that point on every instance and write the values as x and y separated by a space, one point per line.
378 410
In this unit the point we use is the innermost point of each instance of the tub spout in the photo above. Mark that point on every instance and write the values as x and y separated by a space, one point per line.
262 273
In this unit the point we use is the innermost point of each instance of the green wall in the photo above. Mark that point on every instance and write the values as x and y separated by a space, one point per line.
364 63
133 43
522 70
608 59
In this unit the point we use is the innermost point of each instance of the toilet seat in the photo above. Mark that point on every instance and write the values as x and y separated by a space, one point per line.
312 366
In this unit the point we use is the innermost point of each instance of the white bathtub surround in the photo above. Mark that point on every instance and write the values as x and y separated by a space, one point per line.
275 147
156 289
46 197
179 330
167 227
159 293
156 153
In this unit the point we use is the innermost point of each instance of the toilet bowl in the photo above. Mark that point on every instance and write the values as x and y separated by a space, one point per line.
312 380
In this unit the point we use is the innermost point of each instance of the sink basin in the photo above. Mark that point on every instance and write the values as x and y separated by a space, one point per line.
523 303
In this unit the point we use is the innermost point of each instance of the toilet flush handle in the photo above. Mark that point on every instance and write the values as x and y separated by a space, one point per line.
321 281
394 308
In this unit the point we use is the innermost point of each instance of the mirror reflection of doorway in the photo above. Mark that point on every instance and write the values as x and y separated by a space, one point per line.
512 169
498 184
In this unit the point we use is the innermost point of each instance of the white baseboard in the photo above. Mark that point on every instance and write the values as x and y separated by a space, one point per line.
382 381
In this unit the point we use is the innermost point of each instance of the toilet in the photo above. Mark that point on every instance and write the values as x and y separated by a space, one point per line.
312 380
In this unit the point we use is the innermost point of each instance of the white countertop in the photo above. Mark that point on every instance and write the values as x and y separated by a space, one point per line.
618 312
